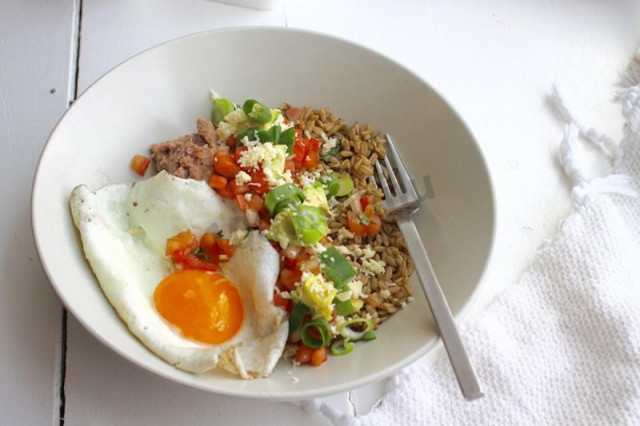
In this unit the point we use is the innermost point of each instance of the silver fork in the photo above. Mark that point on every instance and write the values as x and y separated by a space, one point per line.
401 207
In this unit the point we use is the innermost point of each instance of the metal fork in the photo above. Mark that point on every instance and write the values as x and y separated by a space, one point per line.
401 207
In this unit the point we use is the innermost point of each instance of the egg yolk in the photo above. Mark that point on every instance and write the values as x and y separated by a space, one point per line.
205 306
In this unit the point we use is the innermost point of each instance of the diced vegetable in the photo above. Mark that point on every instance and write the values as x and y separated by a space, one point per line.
294 113
286 193
318 356
336 267
344 308
184 241
281 302
341 347
309 223
361 224
140 164
217 182
256 110
316 333
224 164
303 355
221 107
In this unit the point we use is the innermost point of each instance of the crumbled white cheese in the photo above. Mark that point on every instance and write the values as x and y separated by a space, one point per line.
356 289
285 294
279 121
329 145
375 266
252 217
367 252
242 177
344 233
248 196
318 248
307 178
344 250
268 156
385 293
238 237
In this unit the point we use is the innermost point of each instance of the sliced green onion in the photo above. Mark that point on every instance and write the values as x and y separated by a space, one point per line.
352 335
280 194
336 185
297 314
342 347
341 187
309 223
288 138
257 111
272 135
369 335
344 308
336 267
314 328
327 155
221 107
287 203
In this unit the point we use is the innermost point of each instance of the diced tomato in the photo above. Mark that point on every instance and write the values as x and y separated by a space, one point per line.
263 225
318 356
241 202
313 154
139 164
288 278
359 227
231 141
238 189
256 203
185 242
258 182
224 164
226 247
294 113
303 355
192 261
217 182
312 265
366 201
290 165
281 302
209 245
225 192
299 152
290 263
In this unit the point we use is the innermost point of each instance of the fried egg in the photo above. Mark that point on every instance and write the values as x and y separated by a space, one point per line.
195 320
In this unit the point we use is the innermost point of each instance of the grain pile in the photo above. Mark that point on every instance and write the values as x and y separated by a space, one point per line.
386 286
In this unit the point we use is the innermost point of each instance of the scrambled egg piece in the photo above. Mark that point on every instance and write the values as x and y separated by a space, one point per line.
317 294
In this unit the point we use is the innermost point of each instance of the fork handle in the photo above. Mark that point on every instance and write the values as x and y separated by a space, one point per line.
465 374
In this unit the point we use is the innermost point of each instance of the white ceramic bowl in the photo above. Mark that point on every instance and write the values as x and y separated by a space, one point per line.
158 94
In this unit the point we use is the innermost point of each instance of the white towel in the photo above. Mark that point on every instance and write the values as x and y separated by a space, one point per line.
562 346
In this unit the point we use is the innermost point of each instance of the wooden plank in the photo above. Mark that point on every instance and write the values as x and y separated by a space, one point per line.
35 58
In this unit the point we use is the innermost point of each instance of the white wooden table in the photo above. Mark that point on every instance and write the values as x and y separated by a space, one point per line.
494 60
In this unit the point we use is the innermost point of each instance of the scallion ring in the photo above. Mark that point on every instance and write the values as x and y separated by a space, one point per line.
352 335
342 347
316 333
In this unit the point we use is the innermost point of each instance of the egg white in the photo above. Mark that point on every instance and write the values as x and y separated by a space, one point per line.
124 231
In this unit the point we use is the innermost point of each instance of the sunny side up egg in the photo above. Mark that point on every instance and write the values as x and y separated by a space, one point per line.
224 320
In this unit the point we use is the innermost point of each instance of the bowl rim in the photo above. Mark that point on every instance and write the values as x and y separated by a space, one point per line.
290 395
